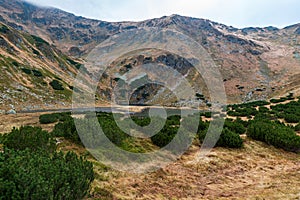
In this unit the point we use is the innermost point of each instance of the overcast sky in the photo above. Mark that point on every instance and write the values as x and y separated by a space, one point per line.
238 13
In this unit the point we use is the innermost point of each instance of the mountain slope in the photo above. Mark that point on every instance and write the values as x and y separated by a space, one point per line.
256 63
34 73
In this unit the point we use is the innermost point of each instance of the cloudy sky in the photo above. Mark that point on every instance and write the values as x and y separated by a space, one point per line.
238 13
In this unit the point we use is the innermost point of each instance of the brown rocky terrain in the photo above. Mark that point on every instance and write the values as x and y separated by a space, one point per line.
256 63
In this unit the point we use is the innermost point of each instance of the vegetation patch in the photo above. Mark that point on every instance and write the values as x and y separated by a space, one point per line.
32 169
67 129
283 99
37 175
56 85
32 138
39 40
266 126
3 29
26 71
169 131
275 134
55 117
15 63
227 138
36 52
243 112
37 73
200 96
74 63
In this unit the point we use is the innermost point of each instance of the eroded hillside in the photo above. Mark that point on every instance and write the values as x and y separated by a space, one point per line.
256 63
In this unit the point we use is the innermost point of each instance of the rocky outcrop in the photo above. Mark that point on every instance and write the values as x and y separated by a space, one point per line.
11 112
297 31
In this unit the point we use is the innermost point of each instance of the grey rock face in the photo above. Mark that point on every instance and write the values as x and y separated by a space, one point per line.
11 112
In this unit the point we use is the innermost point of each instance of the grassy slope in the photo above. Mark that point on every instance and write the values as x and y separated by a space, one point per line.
21 53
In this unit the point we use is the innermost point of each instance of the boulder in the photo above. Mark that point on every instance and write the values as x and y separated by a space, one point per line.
11 112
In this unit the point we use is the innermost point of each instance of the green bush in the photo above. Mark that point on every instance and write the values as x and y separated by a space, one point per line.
264 116
48 119
254 104
36 52
141 121
111 129
243 112
26 71
67 129
232 113
290 111
202 125
30 168
1 139
15 63
37 73
275 134
56 85
235 126
297 127
37 175
206 114
167 134
282 99
263 109
54 117
227 139
291 118
74 63
240 121
27 137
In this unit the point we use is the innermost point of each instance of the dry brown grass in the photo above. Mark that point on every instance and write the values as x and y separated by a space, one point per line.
7 122
255 172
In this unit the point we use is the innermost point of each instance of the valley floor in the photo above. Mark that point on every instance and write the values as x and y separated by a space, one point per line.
257 171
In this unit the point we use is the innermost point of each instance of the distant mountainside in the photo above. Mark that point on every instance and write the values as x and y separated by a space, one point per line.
33 72
256 63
